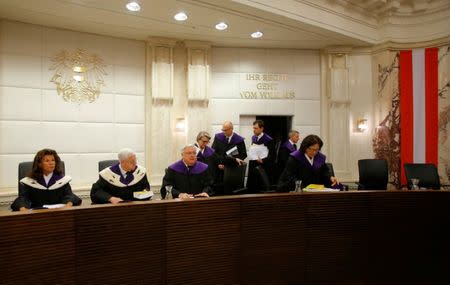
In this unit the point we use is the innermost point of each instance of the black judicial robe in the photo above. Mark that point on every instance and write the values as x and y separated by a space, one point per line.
254 183
221 146
192 181
283 154
111 183
36 193
209 157
299 168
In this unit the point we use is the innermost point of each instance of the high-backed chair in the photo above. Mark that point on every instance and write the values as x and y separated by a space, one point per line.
265 180
26 166
106 163
373 174
233 179
426 173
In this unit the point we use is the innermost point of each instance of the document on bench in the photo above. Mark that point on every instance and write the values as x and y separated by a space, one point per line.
257 151
53 206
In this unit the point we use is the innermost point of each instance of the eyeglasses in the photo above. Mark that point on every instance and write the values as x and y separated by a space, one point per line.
205 141
225 130
314 149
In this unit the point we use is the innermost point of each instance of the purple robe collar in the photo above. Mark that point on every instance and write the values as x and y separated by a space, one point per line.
265 139
55 177
180 167
287 145
125 180
206 153
319 159
235 139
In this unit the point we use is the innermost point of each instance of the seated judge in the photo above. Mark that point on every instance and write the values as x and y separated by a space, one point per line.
308 165
119 182
188 177
261 153
45 184
205 153
230 149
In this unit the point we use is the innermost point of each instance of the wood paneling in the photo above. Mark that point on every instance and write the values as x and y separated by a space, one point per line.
386 237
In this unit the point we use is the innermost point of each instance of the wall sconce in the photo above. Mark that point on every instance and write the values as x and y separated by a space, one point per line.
180 125
362 125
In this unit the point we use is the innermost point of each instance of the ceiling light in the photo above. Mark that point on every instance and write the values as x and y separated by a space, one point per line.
133 6
221 26
256 34
180 16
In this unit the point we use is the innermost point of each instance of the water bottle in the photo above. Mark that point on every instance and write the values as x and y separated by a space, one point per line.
168 192
298 186
415 184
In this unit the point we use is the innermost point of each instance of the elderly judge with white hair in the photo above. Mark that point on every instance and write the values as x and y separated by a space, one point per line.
188 177
120 182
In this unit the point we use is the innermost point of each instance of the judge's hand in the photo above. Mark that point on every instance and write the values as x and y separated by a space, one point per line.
240 161
203 194
23 209
69 204
185 196
221 166
115 200
259 160
334 181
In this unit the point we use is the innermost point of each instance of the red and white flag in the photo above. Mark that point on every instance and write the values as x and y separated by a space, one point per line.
418 107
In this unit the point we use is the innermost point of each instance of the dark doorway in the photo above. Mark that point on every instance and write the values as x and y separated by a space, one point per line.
278 128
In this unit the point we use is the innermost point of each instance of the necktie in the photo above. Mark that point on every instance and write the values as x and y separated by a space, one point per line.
295 146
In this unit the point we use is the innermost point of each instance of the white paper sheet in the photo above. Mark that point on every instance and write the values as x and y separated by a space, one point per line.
257 151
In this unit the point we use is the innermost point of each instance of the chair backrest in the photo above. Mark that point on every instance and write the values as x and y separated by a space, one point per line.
264 177
106 163
373 174
330 168
233 178
426 173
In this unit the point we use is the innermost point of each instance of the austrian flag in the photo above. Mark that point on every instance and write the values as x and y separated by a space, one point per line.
418 107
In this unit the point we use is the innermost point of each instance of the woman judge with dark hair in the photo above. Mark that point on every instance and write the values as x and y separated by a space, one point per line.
308 165
46 184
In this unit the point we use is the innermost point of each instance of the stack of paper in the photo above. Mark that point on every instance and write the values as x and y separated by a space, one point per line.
141 195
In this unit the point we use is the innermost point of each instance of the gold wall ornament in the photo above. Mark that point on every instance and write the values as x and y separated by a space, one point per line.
78 75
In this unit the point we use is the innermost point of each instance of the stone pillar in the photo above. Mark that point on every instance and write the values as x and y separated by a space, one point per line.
159 98
198 78
338 101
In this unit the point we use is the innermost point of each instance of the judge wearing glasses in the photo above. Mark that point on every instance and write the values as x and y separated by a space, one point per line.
308 165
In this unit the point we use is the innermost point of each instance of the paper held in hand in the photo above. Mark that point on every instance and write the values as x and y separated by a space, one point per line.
232 151
257 151
141 195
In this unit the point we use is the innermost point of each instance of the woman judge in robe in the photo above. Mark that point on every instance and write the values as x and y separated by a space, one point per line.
308 165
207 154
46 184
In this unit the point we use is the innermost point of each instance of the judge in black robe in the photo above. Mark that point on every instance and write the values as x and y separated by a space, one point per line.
46 184
308 166
207 154
231 152
121 182
285 150
188 177
254 181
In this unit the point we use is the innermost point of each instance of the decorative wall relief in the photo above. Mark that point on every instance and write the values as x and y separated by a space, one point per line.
386 140
78 75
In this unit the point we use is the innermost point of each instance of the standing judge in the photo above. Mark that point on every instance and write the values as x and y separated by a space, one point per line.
119 182
230 149
286 149
46 184
308 165
188 177
206 154
263 157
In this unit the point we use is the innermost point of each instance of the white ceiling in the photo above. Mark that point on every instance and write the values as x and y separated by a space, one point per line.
110 17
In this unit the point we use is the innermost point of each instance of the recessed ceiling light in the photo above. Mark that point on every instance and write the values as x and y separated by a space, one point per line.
133 6
180 16
256 34
221 26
